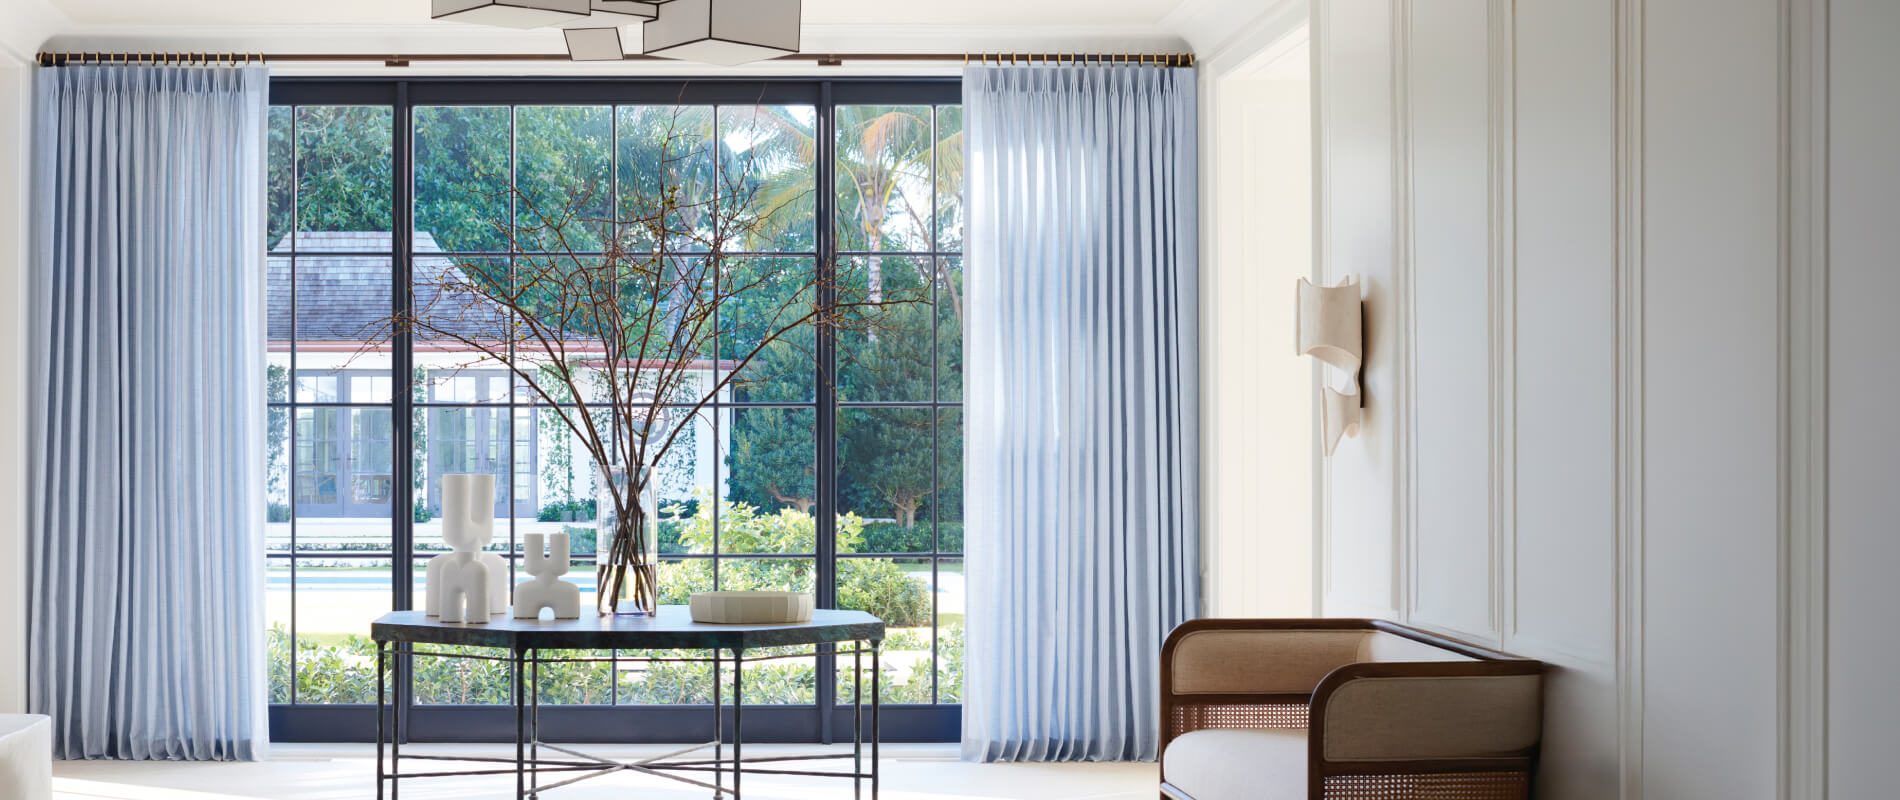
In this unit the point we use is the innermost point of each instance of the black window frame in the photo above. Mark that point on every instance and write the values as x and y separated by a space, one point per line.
293 722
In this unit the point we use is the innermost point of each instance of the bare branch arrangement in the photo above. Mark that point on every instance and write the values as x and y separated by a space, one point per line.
634 320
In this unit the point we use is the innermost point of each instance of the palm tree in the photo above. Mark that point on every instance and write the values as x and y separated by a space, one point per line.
885 174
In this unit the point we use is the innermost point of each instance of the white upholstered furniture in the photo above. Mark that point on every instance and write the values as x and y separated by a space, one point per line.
26 757
1343 709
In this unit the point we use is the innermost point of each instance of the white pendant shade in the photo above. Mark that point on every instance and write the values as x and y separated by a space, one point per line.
613 12
628 8
594 44
510 13
727 32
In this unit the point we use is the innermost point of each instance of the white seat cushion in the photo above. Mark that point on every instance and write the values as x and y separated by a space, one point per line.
1263 764
26 757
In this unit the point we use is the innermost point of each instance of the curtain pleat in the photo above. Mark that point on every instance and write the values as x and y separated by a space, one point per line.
146 503
1081 404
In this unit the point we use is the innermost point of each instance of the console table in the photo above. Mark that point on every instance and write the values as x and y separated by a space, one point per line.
527 642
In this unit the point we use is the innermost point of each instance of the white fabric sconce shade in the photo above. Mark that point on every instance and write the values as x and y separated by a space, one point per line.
510 13
726 32
594 44
1330 329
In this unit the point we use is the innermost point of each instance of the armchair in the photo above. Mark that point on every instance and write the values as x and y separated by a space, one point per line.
1343 709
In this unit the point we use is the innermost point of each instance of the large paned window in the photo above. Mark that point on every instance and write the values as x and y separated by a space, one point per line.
832 463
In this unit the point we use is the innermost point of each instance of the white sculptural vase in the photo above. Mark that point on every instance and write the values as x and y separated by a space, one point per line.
467 585
547 590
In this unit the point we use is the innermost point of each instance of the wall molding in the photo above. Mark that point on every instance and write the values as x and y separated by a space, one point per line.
1502 110
30 23
1405 263
1317 53
1802 601
1228 35
1629 397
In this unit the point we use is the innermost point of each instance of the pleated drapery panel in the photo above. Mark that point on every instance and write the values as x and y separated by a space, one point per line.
1081 456
146 506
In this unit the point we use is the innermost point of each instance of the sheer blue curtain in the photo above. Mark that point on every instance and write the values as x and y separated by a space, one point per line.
1080 451
145 619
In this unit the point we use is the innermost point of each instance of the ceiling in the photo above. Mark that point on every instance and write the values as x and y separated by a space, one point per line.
817 12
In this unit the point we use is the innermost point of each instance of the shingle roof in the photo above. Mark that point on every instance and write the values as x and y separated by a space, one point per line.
346 298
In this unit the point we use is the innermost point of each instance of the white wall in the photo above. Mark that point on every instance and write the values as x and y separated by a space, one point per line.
28 22
1258 394
1576 220
1863 468
1710 263
1354 215
14 119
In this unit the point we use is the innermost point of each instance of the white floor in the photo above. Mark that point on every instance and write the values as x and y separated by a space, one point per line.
344 772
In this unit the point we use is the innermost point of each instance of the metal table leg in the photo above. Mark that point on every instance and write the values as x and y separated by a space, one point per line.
382 663
738 726
857 719
396 716
877 708
521 724
719 732
534 726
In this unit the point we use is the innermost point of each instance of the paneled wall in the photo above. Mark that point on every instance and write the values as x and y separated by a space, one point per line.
1862 386
1583 232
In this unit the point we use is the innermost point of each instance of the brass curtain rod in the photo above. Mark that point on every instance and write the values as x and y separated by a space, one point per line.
91 58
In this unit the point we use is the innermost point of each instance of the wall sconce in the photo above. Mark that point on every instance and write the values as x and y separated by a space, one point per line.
1330 329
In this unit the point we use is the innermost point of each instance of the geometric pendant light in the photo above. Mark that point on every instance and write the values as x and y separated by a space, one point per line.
728 32
510 13
641 9
614 12
594 44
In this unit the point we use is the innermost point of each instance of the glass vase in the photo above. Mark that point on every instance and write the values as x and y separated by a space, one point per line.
627 552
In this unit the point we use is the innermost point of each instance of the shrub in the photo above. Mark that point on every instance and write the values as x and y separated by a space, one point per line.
581 539
566 511
345 672
422 513
890 537
279 512
884 589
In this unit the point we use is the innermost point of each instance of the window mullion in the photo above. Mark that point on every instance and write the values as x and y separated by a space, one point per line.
826 396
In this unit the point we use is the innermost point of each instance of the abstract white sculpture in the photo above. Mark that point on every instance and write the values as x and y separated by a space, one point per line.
467 585
755 608
1330 329
547 590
